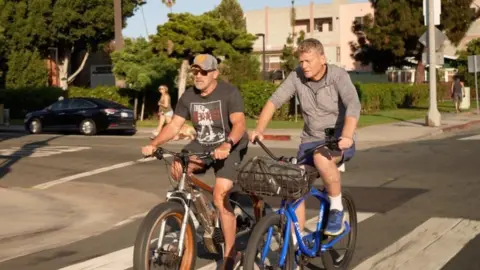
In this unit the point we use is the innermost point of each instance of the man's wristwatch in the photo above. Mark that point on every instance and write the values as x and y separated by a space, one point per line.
230 141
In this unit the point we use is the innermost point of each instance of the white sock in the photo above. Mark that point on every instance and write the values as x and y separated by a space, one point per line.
336 202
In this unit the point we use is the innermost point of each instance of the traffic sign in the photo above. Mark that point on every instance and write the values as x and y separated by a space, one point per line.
440 38
439 58
437 10
472 61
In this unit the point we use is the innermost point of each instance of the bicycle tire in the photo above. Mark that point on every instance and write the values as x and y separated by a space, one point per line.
257 236
142 242
327 259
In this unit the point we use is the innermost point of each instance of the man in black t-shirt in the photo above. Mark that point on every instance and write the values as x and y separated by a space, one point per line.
216 110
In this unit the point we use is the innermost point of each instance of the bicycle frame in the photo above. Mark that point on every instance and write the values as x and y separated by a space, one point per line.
287 209
185 197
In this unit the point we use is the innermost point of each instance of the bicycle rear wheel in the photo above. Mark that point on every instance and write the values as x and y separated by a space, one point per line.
147 253
256 244
332 258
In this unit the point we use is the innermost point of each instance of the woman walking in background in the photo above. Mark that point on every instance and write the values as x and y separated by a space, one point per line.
165 112
458 93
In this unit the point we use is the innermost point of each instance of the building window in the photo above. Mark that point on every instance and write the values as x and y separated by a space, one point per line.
338 54
359 20
323 24
302 25
358 24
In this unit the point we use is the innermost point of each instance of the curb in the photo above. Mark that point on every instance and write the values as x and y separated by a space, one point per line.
442 130
277 137
461 126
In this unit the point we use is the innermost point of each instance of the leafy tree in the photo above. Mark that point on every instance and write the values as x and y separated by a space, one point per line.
289 56
472 48
232 12
140 66
240 68
391 39
26 69
186 35
2 54
71 26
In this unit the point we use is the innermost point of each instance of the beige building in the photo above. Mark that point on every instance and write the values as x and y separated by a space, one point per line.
330 23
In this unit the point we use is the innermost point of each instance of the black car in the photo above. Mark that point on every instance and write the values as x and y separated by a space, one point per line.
87 115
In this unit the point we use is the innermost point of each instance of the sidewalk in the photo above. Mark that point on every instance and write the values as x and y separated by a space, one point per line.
396 131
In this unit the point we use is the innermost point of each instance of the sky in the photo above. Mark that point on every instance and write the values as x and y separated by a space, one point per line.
156 13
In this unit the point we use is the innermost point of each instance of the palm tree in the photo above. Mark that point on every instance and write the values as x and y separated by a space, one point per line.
169 3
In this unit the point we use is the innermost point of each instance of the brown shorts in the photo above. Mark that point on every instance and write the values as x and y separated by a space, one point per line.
226 168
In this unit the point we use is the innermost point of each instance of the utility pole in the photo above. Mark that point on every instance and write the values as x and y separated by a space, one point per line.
117 9
263 56
433 116
117 6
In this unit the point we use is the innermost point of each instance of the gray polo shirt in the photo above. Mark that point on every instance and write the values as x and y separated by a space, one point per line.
325 103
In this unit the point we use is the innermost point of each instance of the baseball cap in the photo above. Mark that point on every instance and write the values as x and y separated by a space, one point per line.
205 61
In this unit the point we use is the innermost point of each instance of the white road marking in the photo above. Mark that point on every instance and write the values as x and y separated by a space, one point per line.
475 137
310 225
39 151
90 173
123 259
130 219
428 246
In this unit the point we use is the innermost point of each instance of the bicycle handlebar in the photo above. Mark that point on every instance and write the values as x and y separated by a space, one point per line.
330 141
159 154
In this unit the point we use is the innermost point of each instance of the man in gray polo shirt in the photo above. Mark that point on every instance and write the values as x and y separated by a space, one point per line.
329 100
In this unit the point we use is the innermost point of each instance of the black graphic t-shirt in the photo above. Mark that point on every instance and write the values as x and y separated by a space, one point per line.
210 115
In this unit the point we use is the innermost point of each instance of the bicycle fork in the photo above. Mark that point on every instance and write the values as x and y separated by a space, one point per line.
184 198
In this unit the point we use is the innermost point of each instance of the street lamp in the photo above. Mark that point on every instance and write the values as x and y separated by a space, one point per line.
263 57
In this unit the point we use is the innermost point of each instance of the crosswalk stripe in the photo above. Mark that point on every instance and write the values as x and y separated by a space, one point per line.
437 255
475 137
310 226
123 259
39 151
428 246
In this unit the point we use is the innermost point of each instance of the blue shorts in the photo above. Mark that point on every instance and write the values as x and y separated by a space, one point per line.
308 160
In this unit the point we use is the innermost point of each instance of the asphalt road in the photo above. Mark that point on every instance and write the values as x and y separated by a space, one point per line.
418 201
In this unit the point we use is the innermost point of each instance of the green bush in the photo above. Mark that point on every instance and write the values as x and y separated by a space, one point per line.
255 94
22 100
112 93
386 96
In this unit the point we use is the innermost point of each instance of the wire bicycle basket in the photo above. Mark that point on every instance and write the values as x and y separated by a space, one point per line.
268 177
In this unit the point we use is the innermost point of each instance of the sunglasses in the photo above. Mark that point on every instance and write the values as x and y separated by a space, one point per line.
202 72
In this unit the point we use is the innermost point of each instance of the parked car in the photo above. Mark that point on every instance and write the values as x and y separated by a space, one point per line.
87 115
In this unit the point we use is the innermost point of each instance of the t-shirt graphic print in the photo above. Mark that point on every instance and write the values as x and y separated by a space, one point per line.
210 115
207 118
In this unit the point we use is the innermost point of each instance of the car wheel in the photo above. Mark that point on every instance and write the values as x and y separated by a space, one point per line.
88 127
35 126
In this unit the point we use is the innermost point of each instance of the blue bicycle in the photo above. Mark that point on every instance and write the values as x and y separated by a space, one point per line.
282 177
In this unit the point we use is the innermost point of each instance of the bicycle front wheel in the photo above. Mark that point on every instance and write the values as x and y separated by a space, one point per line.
267 239
153 248
338 257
